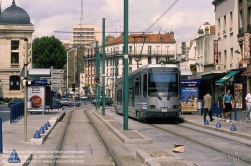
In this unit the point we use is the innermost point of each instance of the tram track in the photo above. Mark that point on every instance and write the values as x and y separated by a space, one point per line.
60 147
230 147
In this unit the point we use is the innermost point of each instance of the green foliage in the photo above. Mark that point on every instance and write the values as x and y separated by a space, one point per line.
47 52
6 100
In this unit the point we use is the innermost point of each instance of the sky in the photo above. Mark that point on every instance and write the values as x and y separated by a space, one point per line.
183 18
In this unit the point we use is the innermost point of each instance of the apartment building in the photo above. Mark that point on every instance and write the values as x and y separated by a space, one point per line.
85 34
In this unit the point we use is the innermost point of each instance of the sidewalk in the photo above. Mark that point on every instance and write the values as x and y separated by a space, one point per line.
13 134
242 126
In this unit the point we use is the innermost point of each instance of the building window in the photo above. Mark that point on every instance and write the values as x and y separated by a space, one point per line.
130 69
130 60
225 22
157 60
149 49
219 25
241 25
14 83
14 45
130 49
149 60
14 58
231 20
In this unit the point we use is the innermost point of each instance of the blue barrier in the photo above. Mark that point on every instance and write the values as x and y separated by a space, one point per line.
16 111
1 136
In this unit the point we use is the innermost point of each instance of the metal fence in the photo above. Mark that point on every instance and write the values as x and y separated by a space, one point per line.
16 111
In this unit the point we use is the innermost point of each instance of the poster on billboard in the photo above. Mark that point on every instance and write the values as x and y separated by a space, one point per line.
36 95
189 98
238 95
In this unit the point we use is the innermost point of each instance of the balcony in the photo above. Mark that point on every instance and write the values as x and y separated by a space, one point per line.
248 28
241 34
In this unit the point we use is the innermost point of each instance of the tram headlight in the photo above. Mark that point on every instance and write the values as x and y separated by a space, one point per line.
151 106
175 106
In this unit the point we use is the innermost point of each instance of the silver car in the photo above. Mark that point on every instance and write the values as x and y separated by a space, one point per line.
66 102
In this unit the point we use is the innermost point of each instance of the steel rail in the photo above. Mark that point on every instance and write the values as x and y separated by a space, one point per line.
56 153
115 160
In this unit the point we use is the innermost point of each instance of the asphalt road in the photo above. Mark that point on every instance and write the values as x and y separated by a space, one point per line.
4 112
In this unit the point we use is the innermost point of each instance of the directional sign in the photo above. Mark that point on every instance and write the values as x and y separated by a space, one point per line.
57 85
57 71
57 81
56 76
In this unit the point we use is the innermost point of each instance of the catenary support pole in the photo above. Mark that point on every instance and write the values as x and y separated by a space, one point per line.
25 88
125 65
103 66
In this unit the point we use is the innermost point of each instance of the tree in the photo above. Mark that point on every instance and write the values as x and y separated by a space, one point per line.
48 51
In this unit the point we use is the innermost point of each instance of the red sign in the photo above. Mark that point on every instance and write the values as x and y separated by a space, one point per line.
215 51
246 46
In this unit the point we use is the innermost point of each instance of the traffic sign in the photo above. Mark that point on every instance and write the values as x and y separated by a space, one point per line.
57 85
56 81
57 71
56 76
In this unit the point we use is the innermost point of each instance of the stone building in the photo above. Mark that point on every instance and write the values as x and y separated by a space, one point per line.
15 26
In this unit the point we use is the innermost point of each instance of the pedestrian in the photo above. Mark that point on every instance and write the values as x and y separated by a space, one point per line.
228 101
207 99
191 99
220 104
248 105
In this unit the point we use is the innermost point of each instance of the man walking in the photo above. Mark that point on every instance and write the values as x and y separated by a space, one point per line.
248 105
220 104
207 99
228 100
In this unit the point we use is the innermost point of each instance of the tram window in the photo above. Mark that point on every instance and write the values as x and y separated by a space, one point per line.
119 97
137 86
145 85
130 97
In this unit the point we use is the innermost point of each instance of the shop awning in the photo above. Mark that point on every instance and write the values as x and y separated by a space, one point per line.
226 77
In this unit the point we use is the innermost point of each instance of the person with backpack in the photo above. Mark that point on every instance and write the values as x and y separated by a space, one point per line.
228 101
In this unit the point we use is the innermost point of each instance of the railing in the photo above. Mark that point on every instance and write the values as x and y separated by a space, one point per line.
16 111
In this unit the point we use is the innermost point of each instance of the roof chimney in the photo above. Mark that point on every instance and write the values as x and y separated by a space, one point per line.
172 35
206 31
122 35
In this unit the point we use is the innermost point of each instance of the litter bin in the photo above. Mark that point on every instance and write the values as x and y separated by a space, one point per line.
199 107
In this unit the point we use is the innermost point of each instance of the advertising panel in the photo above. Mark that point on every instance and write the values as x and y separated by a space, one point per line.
189 98
238 95
36 95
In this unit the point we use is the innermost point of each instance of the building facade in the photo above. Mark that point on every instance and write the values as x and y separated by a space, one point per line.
15 26
85 34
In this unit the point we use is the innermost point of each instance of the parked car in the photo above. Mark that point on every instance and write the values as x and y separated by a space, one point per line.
66 102
108 101
69 102
13 101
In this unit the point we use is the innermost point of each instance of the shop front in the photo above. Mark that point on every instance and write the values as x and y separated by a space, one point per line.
236 83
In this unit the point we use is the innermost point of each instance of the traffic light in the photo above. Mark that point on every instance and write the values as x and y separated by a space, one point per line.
73 87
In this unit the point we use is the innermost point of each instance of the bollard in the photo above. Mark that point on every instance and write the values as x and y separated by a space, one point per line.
45 127
41 130
233 128
14 157
206 122
37 134
48 124
218 125
1 136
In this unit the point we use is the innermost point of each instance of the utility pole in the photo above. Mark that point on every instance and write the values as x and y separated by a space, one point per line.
125 65
25 87
103 66
97 76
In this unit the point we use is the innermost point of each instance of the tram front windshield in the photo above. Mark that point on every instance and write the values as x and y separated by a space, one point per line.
163 82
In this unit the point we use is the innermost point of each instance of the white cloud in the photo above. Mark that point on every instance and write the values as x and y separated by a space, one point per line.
183 18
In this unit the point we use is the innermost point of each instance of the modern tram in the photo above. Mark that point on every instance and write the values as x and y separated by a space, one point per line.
154 91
